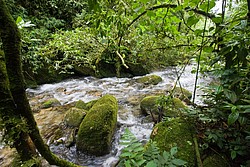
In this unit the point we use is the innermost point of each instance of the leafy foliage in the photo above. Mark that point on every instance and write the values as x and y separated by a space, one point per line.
134 154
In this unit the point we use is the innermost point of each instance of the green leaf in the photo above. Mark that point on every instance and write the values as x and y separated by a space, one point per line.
217 20
166 156
208 49
126 154
127 164
198 32
192 20
19 20
178 162
233 154
207 6
151 164
232 117
231 95
173 151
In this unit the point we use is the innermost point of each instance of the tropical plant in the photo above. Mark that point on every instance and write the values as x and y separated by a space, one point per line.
135 154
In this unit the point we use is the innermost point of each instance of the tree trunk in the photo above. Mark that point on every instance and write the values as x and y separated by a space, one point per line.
11 39
11 119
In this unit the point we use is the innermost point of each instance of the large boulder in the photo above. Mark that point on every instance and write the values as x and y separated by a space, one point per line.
97 129
150 104
176 132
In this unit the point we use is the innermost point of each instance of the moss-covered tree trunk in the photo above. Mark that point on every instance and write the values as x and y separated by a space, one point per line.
11 39
11 119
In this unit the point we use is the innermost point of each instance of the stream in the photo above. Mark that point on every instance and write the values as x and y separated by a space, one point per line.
127 93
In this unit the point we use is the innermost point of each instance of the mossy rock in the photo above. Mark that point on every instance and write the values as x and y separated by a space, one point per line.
86 106
74 116
97 128
137 69
50 103
214 161
173 108
176 132
83 70
181 93
149 80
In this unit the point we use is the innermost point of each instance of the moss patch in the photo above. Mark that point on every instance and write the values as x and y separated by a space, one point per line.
97 128
50 103
74 116
86 106
173 107
176 132
149 80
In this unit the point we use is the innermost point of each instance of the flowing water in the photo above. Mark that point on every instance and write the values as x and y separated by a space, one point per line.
128 94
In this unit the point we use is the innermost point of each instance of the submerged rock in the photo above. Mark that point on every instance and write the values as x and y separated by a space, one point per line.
176 132
97 128
149 80
50 103
172 108
74 116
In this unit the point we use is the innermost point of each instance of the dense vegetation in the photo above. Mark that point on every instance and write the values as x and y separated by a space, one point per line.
79 37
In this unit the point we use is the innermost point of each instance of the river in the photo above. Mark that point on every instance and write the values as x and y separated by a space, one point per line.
127 93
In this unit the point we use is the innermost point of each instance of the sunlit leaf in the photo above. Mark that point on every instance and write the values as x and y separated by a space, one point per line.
208 49
192 20
217 20
18 20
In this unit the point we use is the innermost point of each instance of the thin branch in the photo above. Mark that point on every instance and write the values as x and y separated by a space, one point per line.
209 15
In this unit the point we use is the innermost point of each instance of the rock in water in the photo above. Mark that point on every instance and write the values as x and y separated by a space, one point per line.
97 128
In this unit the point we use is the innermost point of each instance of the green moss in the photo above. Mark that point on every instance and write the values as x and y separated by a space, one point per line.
97 128
149 80
74 116
50 103
86 106
149 103
176 132
214 161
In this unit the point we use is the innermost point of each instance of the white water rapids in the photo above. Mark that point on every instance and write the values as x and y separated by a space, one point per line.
127 93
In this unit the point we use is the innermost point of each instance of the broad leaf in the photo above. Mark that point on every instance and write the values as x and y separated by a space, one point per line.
232 117
178 162
151 164
192 20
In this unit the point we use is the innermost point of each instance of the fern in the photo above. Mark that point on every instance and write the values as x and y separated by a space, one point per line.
132 154
135 155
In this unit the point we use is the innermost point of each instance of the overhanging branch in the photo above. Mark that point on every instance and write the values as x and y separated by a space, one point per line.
209 15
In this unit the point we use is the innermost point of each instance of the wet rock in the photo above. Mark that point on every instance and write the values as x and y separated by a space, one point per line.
97 128
74 116
215 160
172 108
176 132
149 80
50 103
